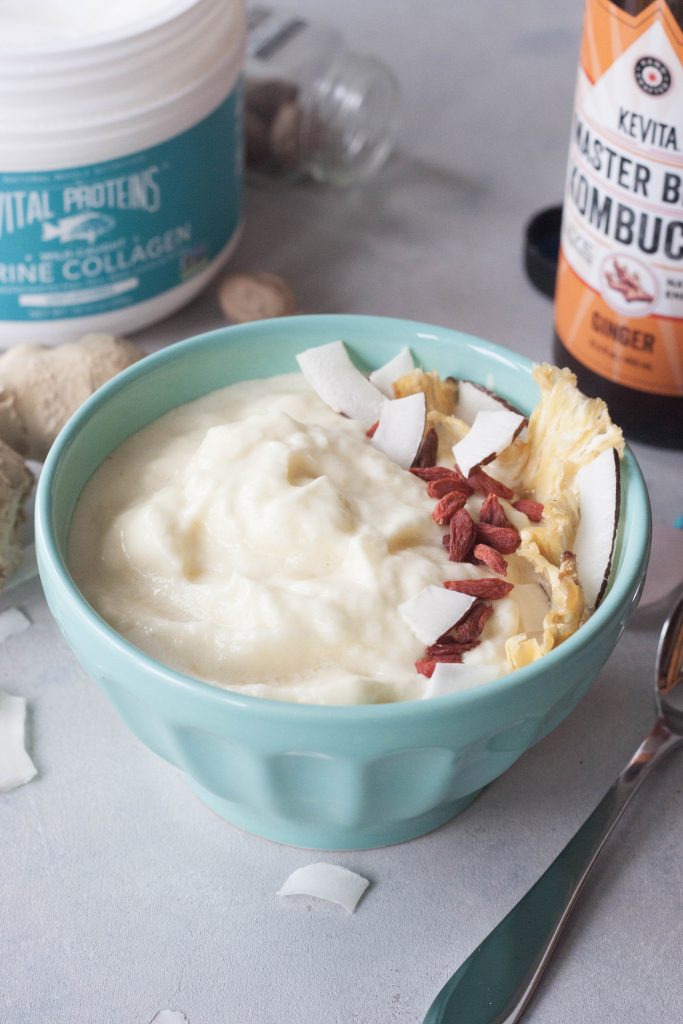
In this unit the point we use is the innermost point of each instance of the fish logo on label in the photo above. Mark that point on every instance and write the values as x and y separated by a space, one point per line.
86 227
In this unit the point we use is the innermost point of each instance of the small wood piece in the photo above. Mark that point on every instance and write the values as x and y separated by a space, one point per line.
259 296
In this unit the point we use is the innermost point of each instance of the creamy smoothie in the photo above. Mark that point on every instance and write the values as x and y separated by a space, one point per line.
257 540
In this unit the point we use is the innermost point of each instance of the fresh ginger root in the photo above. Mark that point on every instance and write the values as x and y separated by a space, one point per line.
40 387
16 482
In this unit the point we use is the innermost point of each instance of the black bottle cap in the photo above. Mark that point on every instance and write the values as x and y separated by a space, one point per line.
541 248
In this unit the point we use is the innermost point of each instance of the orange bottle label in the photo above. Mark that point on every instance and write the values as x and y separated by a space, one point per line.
619 292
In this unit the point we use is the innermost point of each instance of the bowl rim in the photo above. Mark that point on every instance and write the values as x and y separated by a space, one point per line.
624 589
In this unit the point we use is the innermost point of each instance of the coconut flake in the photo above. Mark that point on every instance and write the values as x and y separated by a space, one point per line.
326 882
334 378
598 486
12 621
475 398
451 678
169 1017
384 377
400 430
16 767
488 436
434 611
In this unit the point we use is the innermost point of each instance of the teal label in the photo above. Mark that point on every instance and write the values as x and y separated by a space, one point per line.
87 240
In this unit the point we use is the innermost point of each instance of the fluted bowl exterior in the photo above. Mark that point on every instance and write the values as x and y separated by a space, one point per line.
319 777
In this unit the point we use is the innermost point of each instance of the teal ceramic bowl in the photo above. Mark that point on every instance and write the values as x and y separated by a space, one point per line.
320 777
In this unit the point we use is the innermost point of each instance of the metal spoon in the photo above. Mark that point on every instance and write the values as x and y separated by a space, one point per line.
496 982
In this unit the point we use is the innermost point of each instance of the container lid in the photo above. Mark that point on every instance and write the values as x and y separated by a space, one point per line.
541 248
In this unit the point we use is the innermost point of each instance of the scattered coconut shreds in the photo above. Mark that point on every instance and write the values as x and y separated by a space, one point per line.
474 398
16 767
12 621
334 378
326 882
450 678
598 486
489 435
434 611
169 1017
384 377
400 430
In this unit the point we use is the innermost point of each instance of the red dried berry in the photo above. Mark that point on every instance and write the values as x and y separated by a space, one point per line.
533 510
481 481
442 486
425 666
505 539
463 535
466 485
449 657
445 509
489 587
370 432
450 651
493 513
494 560
432 472
469 629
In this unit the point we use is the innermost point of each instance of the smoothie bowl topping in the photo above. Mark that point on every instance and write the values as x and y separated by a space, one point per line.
327 538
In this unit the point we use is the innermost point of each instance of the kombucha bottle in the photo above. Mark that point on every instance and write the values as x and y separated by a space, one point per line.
619 290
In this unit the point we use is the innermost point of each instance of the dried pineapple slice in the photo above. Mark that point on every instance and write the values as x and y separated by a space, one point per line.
439 394
556 531
567 612
566 430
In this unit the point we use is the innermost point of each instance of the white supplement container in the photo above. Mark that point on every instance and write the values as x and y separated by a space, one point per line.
120 160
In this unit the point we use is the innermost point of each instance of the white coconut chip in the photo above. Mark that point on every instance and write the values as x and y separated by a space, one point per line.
598 486
169 1017
341 385
451 678
326 882
12 621
401 426
16 767
434 611
474 398
490 434
384 377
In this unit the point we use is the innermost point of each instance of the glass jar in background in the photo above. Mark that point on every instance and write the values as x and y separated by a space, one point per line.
312 107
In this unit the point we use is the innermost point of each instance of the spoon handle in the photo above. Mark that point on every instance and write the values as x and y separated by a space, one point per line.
495 983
